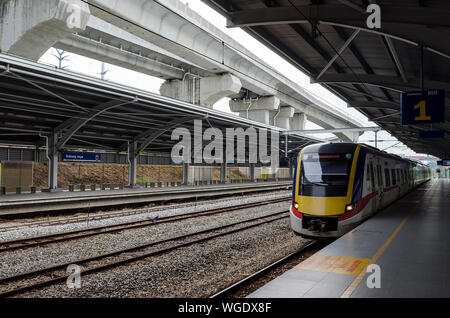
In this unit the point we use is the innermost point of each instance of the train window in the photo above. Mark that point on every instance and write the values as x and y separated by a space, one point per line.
368 173
380 177
324 174
399 177
387 177
394 178
372 176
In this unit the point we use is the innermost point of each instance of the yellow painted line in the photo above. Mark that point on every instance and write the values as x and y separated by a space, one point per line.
349 291
334 264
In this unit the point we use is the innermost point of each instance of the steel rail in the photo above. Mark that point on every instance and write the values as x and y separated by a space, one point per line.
113 228
58 273
259 273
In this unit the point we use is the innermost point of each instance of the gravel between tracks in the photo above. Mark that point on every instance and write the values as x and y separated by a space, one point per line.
195 271
33 258
175 210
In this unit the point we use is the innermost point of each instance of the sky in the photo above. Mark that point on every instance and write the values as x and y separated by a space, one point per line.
131 78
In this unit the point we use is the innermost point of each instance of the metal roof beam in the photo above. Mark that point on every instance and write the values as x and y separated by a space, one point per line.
73 125
395 58
329 131
374 104
389 82
413 25
338 54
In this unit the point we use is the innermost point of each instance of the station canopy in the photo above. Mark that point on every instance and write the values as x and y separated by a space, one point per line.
330 41
37 100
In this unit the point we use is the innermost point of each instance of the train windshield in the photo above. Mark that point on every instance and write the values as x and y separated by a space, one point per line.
325 174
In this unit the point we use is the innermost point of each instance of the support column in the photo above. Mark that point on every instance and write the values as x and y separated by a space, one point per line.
298 121
213 89
252 172
205 91
186 168
29 28
185 90
223 172
258 110
291 167
52 155
283 118
132 165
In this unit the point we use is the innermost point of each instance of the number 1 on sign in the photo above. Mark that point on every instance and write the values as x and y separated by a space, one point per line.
422 106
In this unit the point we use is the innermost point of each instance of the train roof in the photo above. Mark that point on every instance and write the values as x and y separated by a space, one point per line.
368 147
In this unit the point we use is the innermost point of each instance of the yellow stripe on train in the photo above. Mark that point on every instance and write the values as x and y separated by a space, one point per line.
325 206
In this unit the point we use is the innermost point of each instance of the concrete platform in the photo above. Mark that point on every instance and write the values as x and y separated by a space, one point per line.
60 201
409 241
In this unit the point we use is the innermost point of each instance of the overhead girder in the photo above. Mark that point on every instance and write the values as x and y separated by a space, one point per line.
389 82
409 24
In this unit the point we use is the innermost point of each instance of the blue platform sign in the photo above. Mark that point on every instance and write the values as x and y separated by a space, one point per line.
81 157
425 107
431 134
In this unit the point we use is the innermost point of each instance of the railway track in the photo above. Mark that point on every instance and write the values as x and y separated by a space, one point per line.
256 275
96 217
20 283
93 231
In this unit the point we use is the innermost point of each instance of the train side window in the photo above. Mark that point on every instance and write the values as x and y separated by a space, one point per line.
380 177
387 177
372 176
399 177
368 173
394 179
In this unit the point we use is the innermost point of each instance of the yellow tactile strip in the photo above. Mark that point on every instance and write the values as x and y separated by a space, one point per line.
334 264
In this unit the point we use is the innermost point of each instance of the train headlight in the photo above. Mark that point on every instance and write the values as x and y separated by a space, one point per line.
296 205
349 207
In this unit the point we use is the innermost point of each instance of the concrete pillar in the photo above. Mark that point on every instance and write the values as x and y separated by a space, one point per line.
186 90
132 165
291 167
52 155
258 110
223 172
29 28
283 118
298 121
205 91
252 172
213 89
354 136
186 170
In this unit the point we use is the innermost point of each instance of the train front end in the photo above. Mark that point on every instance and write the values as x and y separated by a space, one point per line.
322 190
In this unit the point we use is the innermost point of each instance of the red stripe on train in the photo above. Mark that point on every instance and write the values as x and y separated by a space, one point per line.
360 205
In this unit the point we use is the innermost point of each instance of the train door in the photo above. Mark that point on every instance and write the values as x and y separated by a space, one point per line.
373 186
380 184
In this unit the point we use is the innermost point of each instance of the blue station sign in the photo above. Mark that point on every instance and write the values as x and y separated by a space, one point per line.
432 134
425 107
81 157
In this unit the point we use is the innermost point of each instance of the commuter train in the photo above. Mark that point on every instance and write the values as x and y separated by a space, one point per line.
339 185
